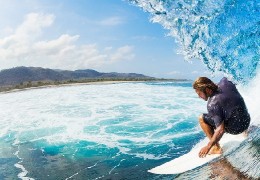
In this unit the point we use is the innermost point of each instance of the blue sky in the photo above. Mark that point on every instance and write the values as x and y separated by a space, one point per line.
105 35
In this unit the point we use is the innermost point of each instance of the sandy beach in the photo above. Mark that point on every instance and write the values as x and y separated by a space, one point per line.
70 84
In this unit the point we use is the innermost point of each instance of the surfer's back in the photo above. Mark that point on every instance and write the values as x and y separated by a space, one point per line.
230 95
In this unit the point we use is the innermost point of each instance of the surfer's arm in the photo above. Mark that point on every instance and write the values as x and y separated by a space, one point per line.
214 140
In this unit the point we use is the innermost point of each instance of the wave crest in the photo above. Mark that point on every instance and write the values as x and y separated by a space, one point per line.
223 34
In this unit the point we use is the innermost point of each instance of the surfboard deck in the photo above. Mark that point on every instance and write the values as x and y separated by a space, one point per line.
191 160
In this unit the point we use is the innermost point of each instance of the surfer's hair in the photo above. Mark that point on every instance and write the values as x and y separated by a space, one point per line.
202 83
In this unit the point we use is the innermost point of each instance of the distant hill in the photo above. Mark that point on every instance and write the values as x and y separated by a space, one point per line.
17 75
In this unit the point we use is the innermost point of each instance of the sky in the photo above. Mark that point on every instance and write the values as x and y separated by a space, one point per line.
104 35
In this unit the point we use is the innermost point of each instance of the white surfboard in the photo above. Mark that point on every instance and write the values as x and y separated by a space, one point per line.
191 160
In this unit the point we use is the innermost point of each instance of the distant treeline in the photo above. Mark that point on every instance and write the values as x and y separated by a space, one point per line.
29 84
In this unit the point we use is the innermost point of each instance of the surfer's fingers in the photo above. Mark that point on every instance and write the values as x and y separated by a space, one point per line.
201 155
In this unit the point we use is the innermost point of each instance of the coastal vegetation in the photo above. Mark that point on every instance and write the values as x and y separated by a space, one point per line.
35 84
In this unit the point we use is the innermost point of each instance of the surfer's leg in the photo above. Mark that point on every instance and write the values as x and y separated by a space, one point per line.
209 131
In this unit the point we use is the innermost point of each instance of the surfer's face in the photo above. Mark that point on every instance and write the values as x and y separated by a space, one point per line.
201 94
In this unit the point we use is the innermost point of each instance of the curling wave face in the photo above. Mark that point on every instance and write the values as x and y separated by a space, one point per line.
223 34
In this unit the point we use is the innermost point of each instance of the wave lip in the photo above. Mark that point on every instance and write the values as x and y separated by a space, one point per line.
222 34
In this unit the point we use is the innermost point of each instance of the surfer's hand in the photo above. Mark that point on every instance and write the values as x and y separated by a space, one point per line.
204 151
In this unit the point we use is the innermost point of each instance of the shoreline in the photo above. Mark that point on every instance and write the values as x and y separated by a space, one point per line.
68 84
86 83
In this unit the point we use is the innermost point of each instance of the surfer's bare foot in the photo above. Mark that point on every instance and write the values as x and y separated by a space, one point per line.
215 150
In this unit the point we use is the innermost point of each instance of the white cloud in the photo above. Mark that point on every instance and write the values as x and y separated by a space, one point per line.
123 53
8 30
26 46
20 42
34 23
56 46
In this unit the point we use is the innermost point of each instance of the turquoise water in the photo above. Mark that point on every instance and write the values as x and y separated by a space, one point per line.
107 131
97 131
119 131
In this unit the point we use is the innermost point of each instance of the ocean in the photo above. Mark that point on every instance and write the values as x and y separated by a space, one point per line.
105 131
121 130
97 131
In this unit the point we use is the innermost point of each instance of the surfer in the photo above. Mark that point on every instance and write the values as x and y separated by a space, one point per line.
227 112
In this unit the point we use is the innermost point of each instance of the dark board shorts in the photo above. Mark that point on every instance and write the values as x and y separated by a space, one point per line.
236 124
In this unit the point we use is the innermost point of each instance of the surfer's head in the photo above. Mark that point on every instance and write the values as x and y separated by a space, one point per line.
204 87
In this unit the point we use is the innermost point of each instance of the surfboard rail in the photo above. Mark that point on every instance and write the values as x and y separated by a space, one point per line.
191 160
